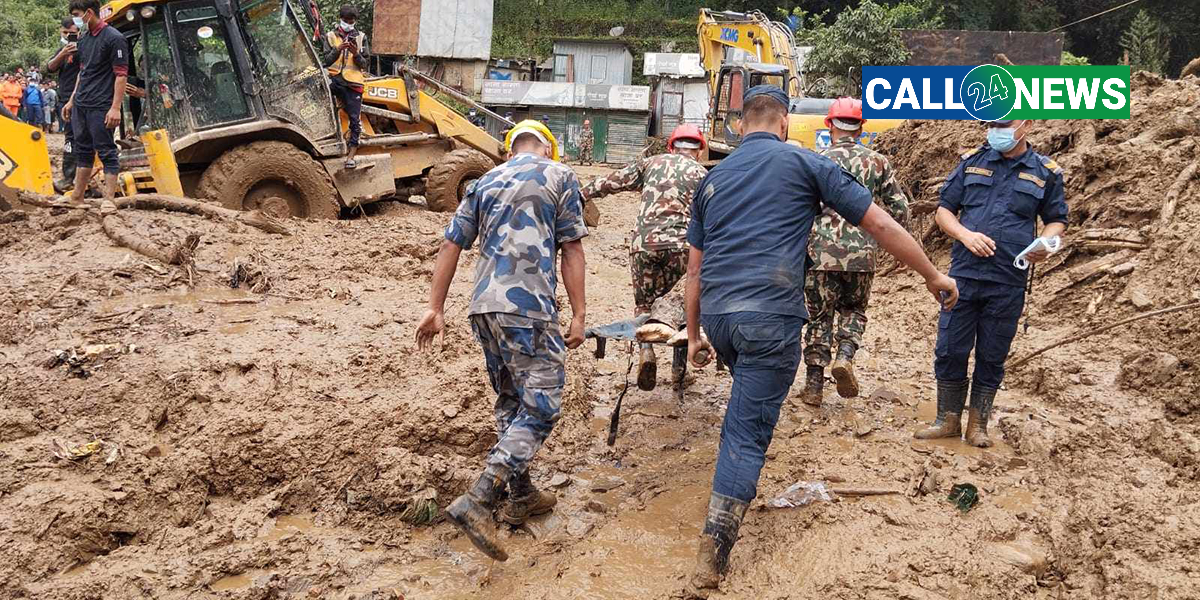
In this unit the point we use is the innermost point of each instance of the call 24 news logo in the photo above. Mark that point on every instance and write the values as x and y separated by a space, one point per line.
993 92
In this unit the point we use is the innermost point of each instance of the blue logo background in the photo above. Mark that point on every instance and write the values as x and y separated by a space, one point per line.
936 89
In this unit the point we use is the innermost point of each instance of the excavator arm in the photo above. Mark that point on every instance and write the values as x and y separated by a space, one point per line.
753 33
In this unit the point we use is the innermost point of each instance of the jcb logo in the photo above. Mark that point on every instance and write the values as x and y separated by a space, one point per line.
7 166
379 92
729 34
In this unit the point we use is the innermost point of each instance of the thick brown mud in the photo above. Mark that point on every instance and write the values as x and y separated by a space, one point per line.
284 448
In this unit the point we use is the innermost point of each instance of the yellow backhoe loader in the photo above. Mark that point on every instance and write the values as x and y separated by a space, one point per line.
238 111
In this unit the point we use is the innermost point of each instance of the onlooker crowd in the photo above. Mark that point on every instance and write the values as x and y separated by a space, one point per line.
30 99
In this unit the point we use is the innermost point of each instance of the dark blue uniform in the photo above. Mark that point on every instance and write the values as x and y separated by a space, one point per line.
103 56
1002 199
751 217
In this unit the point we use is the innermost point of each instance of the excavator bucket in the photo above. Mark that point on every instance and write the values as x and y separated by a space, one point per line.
24 158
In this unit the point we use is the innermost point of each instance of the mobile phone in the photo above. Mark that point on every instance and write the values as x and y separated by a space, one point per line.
72 37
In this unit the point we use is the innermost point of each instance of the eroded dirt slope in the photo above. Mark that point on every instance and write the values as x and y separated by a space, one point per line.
279 448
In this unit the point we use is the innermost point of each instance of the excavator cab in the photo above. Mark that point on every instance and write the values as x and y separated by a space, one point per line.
732 83
237 109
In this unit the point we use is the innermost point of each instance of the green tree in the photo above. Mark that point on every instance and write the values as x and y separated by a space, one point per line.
860 36
1146 43
1071 60
918 14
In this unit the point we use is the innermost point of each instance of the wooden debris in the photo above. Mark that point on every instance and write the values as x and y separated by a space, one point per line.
1088 270
862 491
180 254
1175 191
1099 330
253 218
1108 240
233 301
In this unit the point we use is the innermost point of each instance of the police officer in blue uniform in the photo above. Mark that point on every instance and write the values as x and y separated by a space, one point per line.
989 205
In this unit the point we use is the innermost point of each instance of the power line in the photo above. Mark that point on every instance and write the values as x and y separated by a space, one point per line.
1094 16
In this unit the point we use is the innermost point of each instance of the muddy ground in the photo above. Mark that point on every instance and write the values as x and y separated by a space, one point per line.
281 446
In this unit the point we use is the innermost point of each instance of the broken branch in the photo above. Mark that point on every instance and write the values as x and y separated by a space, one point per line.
114 227
1099 330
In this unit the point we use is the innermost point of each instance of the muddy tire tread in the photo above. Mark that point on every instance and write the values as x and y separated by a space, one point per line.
441 185
284 160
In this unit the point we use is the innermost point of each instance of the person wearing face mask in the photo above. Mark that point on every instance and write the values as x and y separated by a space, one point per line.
65 64
346 60
94 109
748 236
989 206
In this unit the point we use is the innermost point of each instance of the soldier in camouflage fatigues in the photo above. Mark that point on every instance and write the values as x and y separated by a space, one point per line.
658 252
838 286
587 139
521 212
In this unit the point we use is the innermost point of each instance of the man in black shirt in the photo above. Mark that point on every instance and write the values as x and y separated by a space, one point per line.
94 109
66 64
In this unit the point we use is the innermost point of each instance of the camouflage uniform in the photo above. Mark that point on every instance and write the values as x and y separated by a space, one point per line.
839 283
587 139
658 252
521 212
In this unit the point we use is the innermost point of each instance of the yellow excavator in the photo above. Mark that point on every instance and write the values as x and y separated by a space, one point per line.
238 111
741 50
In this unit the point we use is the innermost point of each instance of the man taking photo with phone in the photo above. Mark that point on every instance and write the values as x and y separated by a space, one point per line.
346 60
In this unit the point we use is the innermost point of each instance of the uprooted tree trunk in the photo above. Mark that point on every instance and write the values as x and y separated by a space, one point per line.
181 254
253 218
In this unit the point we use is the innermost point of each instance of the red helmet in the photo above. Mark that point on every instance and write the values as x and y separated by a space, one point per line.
687 131
845 108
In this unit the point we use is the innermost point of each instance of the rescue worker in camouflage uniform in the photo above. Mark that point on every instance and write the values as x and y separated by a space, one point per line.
587 139
843 257
523 213
658 251
989 206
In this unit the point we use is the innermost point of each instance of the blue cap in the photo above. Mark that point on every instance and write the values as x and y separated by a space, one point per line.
768 90
1000 123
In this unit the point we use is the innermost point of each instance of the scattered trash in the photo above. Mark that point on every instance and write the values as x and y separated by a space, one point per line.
802 493
964 495
422 509
75 360
63 451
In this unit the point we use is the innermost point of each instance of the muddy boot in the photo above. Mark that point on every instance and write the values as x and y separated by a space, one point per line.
525 501
843 371
951 395
720 533
978 415
647 376
814 385
472 514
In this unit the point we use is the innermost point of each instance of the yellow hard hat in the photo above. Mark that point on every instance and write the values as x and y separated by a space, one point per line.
536 128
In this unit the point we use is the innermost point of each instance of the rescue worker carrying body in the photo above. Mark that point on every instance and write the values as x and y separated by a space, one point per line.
346 59
658 252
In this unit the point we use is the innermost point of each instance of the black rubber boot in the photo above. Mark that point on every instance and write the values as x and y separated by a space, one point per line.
951 395
843 371
720 533
472 514
814 385
679 364
525 501
647 376
977 417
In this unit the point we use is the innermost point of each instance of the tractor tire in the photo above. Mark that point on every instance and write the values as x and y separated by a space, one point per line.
274 177
447 181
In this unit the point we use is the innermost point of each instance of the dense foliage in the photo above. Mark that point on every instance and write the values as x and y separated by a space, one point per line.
527 28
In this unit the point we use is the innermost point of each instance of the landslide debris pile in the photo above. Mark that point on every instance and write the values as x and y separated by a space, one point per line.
1132 243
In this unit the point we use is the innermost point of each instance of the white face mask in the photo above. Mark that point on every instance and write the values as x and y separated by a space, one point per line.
345 26
64 40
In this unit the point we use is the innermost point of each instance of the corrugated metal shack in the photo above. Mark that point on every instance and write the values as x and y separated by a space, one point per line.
591 62
451 39
679 91
619 114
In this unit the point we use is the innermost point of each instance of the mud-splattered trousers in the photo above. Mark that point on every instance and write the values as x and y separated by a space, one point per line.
837 300
762 351
351 101
526 362
654 274
985 319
